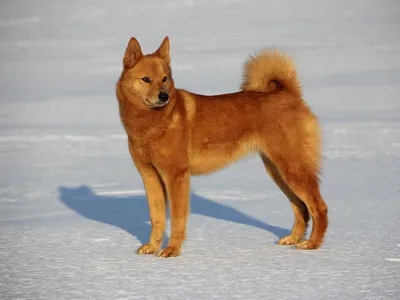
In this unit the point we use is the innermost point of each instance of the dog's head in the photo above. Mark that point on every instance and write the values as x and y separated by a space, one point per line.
147 77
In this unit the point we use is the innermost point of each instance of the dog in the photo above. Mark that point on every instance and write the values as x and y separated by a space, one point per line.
173 134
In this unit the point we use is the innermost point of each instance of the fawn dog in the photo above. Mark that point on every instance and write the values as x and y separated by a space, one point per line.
173 134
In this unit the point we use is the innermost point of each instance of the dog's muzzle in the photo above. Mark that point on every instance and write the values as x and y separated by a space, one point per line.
163 99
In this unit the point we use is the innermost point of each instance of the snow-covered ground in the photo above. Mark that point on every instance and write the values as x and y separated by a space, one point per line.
72 208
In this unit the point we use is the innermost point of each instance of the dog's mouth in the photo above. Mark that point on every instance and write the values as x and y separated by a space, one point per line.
158 104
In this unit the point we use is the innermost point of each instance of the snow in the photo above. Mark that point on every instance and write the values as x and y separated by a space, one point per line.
72 205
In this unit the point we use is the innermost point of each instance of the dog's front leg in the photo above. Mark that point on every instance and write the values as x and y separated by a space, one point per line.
156 198
178 188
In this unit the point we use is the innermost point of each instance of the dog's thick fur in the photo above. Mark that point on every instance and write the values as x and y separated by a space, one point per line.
193 134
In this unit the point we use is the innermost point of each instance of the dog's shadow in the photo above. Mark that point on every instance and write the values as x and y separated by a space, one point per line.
132 215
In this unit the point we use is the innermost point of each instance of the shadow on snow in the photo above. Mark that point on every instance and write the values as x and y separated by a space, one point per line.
131 213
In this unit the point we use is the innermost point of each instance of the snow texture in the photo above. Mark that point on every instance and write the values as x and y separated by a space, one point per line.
72 206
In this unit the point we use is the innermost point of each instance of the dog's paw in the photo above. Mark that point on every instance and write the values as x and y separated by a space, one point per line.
147 249
288 240
169 252
307 245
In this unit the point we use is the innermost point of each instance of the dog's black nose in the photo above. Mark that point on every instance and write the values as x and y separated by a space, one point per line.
163 97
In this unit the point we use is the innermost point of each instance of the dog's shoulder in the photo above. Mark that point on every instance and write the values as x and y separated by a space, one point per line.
188 102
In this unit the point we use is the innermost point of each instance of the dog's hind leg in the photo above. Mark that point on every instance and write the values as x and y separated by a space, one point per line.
301 215
304 183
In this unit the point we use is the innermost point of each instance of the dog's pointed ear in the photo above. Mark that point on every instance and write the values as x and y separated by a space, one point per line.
132 54
163 50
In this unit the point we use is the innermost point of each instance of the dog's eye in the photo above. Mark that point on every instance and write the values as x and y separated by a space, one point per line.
164 79
146 79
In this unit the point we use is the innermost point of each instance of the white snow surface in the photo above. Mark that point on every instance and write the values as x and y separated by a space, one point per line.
72 206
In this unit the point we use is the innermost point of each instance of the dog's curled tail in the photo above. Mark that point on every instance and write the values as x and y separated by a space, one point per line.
269 71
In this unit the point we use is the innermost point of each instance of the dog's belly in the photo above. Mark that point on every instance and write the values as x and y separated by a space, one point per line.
203 160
